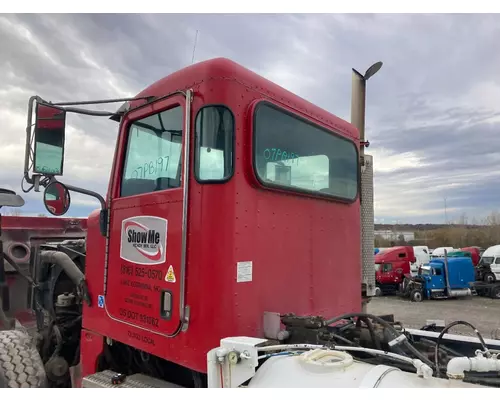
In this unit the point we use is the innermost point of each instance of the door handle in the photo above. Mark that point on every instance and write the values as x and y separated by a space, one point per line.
166 304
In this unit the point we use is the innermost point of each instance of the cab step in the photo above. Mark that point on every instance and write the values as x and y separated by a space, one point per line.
111 379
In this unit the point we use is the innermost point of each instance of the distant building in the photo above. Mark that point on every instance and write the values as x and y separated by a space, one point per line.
395 235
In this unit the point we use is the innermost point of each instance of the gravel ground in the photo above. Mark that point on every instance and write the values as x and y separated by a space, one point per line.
482 312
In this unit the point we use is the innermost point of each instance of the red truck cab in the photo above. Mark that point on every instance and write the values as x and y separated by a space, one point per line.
391 265
475 253
269 193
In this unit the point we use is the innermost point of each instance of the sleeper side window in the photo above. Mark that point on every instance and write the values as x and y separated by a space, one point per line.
154 153
214 144
294 154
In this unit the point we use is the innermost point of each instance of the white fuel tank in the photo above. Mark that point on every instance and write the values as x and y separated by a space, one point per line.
336 369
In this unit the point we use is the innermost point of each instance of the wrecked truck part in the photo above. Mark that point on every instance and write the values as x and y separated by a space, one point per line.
312 331
18 269
57 302
249 362
396 339
72 271
20 236
64 261
486 351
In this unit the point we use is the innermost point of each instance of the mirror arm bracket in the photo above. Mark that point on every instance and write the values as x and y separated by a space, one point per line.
88 193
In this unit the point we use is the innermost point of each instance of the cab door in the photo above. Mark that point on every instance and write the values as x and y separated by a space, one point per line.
145 268
387 274
437 279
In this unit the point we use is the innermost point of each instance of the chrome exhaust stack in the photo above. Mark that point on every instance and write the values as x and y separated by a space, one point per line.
358 102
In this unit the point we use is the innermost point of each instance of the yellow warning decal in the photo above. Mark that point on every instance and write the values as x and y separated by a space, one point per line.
170 277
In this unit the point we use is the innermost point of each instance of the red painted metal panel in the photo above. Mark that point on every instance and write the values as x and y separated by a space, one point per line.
91 346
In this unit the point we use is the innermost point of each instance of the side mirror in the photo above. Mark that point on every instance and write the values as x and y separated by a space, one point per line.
56 198
9 198
50 125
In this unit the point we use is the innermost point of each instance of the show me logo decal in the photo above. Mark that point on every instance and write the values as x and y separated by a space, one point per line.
144 240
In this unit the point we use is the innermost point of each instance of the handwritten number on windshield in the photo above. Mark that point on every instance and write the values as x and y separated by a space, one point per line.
152 168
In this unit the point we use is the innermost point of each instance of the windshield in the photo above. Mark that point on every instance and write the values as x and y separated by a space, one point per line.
425 271
387 267
487 260
153 159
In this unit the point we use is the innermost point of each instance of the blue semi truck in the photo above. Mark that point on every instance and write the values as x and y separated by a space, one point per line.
446 277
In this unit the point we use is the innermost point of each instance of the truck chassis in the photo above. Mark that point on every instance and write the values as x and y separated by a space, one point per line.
485 289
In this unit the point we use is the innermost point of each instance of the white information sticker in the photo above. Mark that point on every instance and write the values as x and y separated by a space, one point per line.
244 271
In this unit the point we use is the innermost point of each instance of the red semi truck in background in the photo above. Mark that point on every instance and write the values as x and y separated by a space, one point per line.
391 266
475 254
238 217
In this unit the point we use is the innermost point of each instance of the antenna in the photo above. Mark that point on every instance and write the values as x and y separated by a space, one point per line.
194 47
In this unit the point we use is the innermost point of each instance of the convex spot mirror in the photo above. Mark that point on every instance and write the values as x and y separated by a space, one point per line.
50 125
56 198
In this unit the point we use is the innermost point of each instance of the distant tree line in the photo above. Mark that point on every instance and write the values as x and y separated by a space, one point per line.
484 233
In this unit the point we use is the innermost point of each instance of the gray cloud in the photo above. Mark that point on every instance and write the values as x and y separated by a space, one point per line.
432 114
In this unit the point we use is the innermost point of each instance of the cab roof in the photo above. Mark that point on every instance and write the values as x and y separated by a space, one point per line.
224 69
393 249
492 251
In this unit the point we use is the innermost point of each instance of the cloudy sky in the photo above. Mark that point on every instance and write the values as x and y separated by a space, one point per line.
433 111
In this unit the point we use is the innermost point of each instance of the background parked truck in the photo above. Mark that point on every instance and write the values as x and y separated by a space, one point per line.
475 253
422 257
488 268
391 265
441 278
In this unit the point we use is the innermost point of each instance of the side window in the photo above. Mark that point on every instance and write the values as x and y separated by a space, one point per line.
497 260
154 148
437 271
402 255
297 155
387 268
214 144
